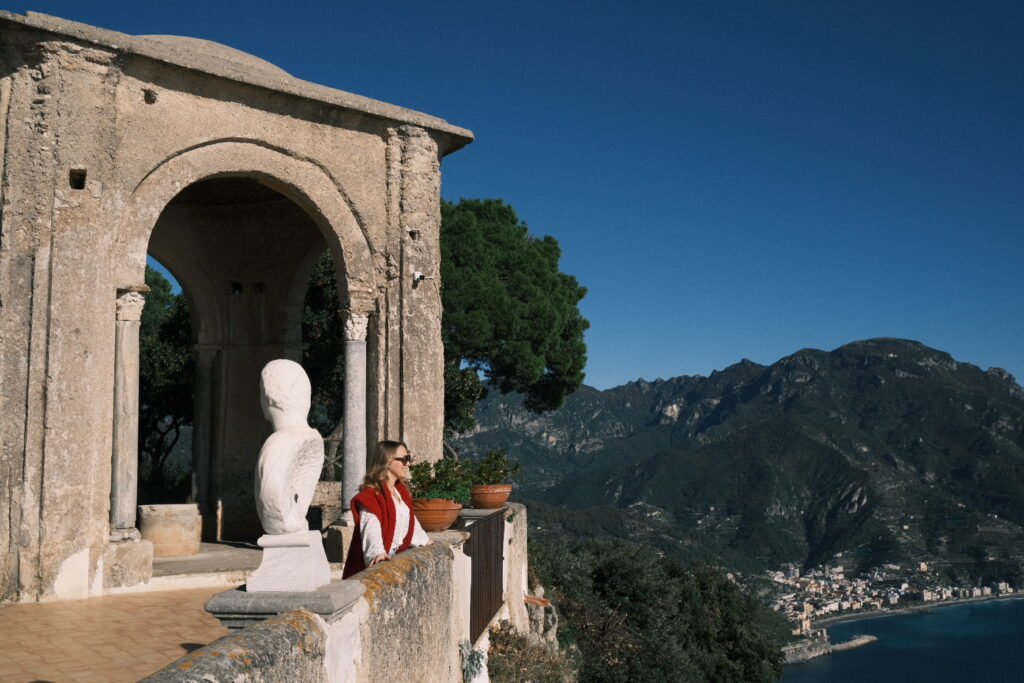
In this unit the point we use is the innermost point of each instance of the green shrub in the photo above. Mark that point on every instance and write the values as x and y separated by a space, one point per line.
494 468
445 478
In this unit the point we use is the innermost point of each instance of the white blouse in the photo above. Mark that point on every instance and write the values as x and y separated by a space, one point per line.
373 541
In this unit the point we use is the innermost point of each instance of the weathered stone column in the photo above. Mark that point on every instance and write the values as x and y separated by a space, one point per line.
354 437
125 462
127 559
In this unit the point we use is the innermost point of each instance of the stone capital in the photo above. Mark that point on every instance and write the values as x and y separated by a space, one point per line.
355 325
129 304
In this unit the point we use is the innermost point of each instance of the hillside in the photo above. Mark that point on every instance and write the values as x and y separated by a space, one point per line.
879 451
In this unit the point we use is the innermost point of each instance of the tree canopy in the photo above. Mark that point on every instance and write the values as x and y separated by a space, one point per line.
636 616
509 312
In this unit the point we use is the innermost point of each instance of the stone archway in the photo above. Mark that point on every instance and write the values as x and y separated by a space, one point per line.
301 180
242 230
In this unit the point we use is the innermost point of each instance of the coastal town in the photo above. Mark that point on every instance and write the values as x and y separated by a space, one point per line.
826 592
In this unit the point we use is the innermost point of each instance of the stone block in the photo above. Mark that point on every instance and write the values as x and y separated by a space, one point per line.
174 530
127 563
291 562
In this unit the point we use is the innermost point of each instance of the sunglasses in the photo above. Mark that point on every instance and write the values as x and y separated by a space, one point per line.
405 461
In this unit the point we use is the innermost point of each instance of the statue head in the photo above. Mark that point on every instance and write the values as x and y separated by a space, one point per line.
285 393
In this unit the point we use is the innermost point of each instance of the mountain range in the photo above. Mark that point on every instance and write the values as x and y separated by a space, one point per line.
880 451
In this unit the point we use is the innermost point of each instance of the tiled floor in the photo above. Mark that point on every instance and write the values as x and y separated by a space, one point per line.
108 639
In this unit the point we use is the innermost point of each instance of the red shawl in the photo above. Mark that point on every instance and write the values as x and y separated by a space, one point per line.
379 502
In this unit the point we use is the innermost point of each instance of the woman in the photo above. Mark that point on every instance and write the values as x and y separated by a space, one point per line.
382 511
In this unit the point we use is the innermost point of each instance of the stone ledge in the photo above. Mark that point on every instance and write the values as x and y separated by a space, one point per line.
414 565
237 608
475 514
449 537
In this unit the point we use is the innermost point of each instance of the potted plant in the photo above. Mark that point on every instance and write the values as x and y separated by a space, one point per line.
492 479
439 490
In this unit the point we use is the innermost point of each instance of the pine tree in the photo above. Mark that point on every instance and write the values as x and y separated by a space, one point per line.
510 314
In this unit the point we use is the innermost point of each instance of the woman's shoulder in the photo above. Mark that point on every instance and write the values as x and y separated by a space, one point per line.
368 494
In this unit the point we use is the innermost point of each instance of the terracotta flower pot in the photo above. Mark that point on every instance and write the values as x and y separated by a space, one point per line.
490 496
435 514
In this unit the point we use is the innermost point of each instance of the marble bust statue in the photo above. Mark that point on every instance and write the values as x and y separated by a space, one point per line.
286 476
292 457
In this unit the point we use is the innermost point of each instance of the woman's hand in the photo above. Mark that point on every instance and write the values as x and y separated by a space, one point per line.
380 558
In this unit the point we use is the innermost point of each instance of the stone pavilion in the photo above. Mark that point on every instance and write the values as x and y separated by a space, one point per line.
236 176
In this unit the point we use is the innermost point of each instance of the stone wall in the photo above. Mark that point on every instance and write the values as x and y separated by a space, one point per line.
413 599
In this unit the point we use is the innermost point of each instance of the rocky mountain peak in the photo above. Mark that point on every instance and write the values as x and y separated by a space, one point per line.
818 453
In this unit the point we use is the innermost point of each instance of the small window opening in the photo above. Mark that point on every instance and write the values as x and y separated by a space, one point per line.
414 235
149 96
76 178
236 288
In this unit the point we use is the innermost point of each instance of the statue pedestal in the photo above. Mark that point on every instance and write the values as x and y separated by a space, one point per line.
291 562
237 608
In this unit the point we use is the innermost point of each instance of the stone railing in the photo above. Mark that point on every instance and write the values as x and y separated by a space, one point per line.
285 648
405 619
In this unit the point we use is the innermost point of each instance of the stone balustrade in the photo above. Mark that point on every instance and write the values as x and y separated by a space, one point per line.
405 619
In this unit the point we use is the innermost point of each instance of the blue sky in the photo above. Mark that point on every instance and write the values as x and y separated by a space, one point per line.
728 179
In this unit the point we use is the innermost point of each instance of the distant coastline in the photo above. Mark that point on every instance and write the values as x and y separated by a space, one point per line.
810 648
949 644
923 607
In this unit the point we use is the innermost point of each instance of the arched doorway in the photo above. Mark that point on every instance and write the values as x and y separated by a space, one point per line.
241 226
244 252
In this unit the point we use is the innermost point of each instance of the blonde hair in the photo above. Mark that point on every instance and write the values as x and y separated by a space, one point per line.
380 461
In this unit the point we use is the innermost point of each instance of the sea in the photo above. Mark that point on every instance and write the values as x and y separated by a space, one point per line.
976 641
